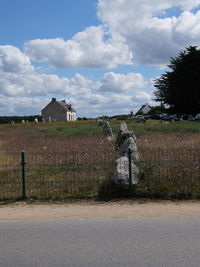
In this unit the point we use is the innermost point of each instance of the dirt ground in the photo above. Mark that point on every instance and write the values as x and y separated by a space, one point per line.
97 210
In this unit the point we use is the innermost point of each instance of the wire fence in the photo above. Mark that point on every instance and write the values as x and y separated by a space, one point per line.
169 173
54 175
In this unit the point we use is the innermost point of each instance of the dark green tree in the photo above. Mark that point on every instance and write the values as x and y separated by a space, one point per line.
180 87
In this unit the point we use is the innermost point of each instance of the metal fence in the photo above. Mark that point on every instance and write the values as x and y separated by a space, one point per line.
169 173
162 173
54 175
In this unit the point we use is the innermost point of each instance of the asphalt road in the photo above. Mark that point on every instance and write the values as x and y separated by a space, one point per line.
110 242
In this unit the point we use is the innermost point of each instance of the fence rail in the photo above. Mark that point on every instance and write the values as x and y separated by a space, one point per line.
162 173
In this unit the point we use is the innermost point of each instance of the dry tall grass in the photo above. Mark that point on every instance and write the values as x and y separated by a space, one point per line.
169 159
39 137
33 138
169 140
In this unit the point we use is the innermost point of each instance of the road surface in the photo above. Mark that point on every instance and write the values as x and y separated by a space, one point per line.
101 242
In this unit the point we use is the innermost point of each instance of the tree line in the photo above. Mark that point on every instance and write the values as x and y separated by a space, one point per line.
18 119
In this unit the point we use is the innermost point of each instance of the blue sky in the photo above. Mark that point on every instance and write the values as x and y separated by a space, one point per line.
100 55
23 20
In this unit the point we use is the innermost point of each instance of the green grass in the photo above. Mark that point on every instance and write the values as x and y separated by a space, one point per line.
74 129
90 128
154 126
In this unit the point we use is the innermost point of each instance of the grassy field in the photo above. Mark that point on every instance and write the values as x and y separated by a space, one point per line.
73 159
87 135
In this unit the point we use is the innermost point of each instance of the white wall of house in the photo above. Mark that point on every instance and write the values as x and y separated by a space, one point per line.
71 116
146 108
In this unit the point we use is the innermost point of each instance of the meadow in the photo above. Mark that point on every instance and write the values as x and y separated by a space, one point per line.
74 160
87 135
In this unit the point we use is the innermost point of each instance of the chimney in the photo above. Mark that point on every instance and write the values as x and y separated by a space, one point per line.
53 99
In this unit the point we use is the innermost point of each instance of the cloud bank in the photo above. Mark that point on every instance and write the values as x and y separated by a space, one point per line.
130 32
91 48
24 87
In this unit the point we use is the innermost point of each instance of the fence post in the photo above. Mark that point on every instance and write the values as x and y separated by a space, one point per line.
130 172
23 164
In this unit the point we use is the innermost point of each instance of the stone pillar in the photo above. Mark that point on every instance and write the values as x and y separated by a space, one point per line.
107 130
125 141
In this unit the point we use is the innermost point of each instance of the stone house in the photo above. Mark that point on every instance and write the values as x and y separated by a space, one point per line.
144 109
58 111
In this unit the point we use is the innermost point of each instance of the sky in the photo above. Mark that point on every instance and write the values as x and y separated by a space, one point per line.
101 56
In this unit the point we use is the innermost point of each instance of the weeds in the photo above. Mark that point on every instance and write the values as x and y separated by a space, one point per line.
84 161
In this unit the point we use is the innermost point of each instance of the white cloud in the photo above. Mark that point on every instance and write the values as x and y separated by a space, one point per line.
116 82
152 39
187 25
17 84
91 48
142 97
13 60
25 91
130 30
93 105
21 105
18 78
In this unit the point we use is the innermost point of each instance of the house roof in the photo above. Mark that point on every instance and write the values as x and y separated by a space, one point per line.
63 104
66 106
